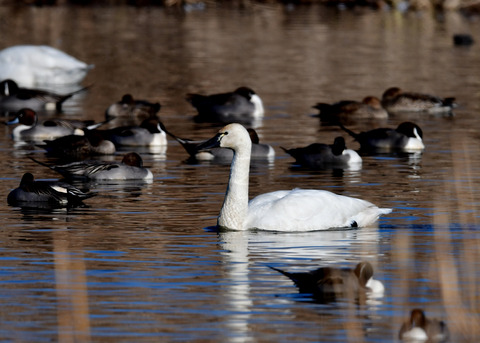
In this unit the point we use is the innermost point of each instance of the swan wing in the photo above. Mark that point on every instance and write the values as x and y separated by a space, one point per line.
308 210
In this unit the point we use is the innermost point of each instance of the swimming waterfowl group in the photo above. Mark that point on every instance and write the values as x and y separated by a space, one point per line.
278 210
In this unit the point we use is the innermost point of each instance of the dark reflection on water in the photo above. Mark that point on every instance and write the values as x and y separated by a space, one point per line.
139 263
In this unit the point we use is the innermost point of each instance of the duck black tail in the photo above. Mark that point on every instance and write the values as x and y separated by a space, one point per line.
65 97
450 102
40 163
189 145
350 132
287 274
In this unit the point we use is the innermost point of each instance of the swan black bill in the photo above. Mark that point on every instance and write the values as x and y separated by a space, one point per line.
213 142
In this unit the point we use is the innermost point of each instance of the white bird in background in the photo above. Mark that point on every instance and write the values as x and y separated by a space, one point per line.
289 210
31 65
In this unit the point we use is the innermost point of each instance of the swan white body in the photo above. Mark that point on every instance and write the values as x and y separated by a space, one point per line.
291 210
30 65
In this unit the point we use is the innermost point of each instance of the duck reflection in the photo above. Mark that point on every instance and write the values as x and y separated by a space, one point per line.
327 284
242 248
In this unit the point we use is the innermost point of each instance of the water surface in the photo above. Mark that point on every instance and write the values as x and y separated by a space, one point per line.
141 264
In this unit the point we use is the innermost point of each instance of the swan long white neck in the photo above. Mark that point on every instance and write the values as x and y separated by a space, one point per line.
235 206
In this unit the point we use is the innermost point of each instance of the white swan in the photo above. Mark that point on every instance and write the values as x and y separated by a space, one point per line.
30 65
293 210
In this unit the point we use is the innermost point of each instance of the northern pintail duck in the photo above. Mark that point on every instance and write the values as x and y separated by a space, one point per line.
128 107
242 105
324 156
130 168
419 328
30 65
327 283
33 193
369 108
14 98
259 150
288 210
30 130
406 137
150 133
396 100
79 147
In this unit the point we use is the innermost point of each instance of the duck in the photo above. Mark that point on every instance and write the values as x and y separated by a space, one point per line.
284 210
13 98
30 65
30 130
395 100
32 193
369 108
407 137
79 147
324 156
242 105
130 168
327 283
259 150
128 107
149 133
419 328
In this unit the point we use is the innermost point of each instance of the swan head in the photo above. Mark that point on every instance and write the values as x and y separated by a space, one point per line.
233 136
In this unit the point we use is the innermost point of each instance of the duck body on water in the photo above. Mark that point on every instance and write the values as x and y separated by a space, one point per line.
79 147
369 108
45 194
149 134
325 156
419 328
395 100
29 129
407 137
129 108
14 98
130 168
287 210
241 105
328 283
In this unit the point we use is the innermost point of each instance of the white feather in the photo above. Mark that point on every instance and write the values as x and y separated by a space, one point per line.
30 65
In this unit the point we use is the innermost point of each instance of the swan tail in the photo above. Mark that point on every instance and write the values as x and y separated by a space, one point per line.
370 216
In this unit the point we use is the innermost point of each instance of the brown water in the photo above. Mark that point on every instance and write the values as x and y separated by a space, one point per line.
140 263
